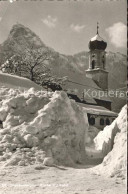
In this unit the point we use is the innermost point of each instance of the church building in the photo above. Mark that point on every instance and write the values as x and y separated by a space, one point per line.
94 82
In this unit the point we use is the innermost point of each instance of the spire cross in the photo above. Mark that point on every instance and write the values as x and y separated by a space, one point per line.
97 27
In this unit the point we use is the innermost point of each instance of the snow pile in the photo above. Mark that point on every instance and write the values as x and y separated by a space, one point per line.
114 140
37 128
105 139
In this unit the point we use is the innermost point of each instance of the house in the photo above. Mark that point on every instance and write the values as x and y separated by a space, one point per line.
99 116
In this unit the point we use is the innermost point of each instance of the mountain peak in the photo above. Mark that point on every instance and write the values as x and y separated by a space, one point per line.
24 34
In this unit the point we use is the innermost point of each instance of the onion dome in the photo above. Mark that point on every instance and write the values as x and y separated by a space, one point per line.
97 43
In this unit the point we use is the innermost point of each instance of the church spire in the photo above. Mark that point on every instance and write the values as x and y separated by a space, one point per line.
97 61
97 28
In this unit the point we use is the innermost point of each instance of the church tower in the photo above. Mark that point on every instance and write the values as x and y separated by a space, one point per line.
97 61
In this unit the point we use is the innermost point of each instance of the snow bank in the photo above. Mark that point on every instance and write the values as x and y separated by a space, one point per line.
37 128
13 81
112 141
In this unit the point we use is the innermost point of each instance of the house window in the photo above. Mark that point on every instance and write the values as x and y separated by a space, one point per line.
92 121
101 121
107 122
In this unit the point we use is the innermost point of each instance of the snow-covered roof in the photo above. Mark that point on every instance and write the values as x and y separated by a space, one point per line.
98 110
13 81
86 85
97 37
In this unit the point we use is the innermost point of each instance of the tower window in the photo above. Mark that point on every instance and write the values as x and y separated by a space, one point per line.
103 61
93 64
101 121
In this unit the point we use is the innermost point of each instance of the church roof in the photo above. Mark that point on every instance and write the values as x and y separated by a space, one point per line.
97 43
98 110
86 85
97 37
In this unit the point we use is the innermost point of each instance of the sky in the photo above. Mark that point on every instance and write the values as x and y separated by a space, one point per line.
68 25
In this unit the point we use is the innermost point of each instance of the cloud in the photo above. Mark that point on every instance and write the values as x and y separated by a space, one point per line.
11 1
50 21
77 28
118 34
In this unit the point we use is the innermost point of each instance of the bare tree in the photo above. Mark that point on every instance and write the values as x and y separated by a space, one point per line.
35 63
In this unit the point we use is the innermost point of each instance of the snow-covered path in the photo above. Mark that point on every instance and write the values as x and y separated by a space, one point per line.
65 180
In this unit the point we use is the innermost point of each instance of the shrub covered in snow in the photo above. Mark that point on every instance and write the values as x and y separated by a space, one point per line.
112 141
41 129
